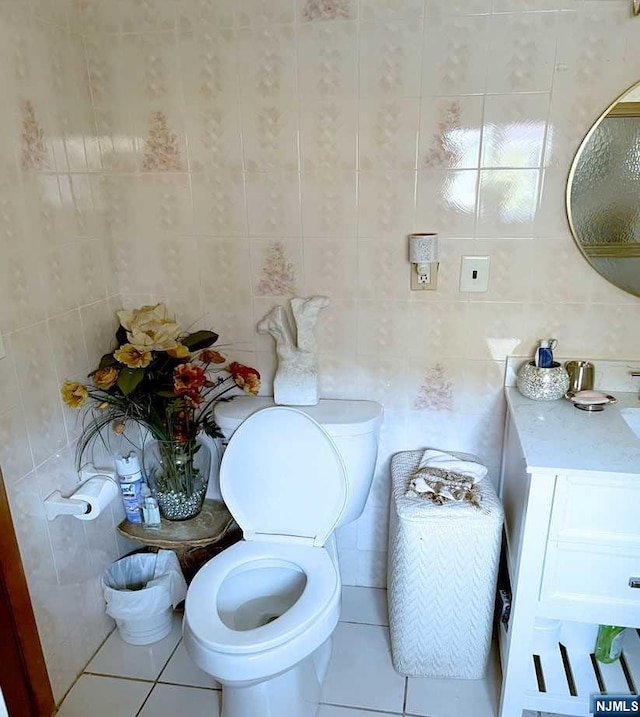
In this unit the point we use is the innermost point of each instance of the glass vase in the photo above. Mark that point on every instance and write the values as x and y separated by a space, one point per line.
178 474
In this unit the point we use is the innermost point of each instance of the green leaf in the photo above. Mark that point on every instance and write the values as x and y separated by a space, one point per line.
199 340
107 360
211 429
165 394
129 378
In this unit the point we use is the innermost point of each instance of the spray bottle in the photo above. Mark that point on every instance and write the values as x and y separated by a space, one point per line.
131 481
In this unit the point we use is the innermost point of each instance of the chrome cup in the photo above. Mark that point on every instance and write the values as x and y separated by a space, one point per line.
581 375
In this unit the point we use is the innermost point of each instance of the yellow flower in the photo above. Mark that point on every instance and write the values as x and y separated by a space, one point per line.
179 352
133 357
74 394
150 328
104 378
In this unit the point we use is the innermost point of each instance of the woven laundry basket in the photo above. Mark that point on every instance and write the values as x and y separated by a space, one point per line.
443 568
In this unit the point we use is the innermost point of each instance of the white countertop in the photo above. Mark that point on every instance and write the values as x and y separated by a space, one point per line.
555 435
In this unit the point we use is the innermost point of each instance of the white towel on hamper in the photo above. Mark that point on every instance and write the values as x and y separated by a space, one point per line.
445 461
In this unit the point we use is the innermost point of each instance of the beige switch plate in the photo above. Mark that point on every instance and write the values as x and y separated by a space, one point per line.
431 285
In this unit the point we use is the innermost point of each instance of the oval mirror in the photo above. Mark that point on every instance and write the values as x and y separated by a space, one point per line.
603 193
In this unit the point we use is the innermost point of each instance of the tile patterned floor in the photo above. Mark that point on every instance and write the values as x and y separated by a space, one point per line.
160 680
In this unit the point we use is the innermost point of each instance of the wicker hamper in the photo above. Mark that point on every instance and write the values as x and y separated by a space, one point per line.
443 567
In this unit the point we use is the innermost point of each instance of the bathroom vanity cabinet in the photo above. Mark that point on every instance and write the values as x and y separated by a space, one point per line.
570 486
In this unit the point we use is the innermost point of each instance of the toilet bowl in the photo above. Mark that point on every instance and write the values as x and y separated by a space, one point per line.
259 616
259 609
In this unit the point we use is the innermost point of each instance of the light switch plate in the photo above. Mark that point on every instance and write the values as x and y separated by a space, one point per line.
474 274
3 353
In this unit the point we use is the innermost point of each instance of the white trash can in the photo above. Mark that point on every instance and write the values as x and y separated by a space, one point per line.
443 568
141 591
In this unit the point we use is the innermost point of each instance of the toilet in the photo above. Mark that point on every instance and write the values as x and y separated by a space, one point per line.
259 616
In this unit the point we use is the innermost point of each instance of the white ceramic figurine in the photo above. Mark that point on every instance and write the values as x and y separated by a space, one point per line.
296 379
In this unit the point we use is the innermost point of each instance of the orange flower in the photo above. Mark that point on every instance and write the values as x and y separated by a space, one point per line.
104 378
188 379
248 379
74 394
132 357
210 356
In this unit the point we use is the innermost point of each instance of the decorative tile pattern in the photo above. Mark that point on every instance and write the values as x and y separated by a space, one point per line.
388 133
436 391
267 64
329 204
386 204
273 204
327 10
213 65
390 57
271 135
161 151
328 59
523 47
33 155
440 152
219 204
329 265
456 55
278 274
329 134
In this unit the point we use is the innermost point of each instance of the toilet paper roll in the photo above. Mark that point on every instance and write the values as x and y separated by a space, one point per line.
98 492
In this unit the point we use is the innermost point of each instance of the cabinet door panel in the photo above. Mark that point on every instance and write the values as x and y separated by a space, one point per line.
591 574
602 509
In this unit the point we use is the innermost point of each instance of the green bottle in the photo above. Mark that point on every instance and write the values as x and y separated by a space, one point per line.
609 643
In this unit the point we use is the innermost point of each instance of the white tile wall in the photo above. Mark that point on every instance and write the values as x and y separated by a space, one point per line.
55 317
223 156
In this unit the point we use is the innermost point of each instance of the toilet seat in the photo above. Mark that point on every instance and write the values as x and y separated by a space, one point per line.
283 490
322 584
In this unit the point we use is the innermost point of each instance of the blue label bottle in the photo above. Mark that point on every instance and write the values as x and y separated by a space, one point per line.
131 480
544 354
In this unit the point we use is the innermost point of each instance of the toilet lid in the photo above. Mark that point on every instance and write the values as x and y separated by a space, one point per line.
283 478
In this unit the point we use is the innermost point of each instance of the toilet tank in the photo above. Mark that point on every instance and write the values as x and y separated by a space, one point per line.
354 427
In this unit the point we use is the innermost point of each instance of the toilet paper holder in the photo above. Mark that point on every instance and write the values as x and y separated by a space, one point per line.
98 489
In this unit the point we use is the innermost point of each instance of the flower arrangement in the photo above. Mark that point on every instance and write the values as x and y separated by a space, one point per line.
166 381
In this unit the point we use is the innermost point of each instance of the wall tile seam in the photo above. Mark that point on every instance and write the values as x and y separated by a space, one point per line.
57 315
305 23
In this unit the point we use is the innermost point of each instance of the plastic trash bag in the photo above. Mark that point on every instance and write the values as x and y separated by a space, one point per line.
142 585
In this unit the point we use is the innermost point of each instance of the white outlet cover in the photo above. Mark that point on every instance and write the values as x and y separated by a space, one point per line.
3 353
474 274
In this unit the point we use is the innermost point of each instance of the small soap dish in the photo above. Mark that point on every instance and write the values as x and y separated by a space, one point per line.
590 400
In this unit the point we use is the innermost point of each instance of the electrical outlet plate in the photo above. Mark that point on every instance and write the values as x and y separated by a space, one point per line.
474 274
3 353
417 281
